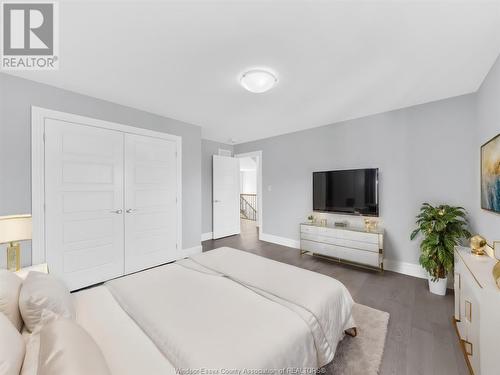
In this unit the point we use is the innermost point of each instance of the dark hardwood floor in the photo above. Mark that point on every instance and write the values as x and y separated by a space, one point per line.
420 338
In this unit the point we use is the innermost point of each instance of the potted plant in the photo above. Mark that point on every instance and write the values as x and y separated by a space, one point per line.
310 219
442 227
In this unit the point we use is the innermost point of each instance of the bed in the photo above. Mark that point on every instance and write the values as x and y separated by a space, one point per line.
223 309
127 349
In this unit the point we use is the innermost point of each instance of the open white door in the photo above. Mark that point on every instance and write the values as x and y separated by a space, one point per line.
226 196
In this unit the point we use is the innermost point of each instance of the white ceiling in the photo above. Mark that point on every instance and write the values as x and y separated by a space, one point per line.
335 60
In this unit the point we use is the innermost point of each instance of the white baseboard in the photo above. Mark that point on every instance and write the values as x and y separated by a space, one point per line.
283 241
405 268
206 236
410 269
192 250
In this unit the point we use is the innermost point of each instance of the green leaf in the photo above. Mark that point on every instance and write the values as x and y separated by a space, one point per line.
414 233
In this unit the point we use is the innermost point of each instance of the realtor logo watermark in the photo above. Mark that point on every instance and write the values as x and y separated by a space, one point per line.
30 35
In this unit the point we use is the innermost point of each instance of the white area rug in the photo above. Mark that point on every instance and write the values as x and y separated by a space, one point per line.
362 355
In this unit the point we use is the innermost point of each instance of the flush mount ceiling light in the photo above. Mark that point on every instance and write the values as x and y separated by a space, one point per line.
258 80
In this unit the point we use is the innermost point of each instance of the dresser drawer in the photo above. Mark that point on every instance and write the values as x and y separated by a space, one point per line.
370 258
367 246
341 233
319 248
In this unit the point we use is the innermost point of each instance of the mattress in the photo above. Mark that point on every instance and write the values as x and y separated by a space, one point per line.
126 348
228 309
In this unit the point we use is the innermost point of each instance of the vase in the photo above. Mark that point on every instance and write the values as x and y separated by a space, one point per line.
438 286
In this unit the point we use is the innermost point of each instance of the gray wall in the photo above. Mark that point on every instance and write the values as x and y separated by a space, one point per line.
424 153
488 126
16 98
208 148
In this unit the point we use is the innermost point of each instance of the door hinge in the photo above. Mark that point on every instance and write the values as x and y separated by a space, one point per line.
176 246
43 137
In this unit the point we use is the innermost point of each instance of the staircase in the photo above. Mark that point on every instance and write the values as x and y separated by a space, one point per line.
248 206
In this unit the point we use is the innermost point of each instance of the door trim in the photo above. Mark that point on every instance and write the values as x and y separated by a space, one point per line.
257 154
38 116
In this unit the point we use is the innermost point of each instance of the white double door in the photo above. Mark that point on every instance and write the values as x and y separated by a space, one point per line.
110 202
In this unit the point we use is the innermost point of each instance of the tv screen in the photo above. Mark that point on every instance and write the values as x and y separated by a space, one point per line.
353 191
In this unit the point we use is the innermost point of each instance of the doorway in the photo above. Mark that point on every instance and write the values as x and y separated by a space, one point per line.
250 193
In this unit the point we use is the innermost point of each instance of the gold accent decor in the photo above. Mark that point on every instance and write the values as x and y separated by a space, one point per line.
496 274
477 245
462 346
468 311
468 347
14 228
370 224
14 256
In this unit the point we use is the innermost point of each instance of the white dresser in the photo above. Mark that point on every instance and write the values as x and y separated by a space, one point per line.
477 311
350 244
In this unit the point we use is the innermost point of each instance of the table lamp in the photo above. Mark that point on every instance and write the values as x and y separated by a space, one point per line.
14 228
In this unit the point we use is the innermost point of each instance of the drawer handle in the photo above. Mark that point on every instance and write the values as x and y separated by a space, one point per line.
467 347
468 311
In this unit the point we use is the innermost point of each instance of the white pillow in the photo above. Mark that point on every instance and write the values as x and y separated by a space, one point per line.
30 363
10 285
23 272
43 298
12 348
62 347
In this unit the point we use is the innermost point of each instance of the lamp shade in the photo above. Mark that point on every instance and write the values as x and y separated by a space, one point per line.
15 228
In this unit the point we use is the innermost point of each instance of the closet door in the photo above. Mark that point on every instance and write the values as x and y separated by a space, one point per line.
150 202
83 202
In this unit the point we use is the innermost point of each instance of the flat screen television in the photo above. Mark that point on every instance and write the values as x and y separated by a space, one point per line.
353 191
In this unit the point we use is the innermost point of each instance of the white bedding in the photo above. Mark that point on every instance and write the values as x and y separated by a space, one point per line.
126 348
260 315
325 303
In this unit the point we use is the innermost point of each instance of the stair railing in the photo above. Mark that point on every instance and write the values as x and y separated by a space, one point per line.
248 206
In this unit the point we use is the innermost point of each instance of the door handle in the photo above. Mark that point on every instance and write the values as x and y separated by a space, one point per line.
216 201
117 211
130 210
